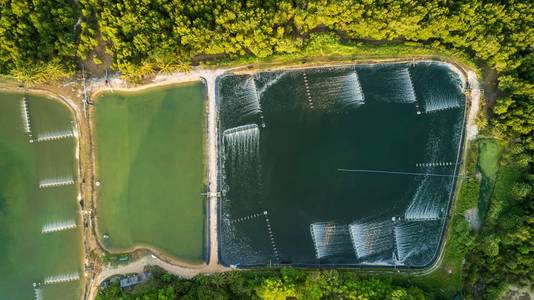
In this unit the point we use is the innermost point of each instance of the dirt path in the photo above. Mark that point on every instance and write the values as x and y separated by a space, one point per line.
474 86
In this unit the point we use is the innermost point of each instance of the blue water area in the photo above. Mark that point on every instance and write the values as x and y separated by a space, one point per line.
351 165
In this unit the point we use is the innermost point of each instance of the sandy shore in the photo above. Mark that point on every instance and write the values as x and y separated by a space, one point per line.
471 126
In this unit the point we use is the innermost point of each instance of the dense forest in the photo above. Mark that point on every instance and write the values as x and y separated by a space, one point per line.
286 284
42 40
147 36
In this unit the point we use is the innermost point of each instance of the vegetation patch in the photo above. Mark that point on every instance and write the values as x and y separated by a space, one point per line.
488 164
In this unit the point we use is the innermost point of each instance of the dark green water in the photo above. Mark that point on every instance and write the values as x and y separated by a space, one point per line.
27 255
287 198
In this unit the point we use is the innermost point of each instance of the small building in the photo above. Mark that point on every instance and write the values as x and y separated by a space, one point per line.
129 281
132 280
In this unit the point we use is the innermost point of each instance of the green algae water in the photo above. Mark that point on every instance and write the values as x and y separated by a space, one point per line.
344 166
39 240
150 165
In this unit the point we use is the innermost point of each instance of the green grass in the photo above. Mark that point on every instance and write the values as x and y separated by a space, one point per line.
150 164
490 152
488 163
325 48
501 197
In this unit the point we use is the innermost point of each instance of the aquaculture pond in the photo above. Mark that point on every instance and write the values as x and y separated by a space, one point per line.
351 165
40 235
150 169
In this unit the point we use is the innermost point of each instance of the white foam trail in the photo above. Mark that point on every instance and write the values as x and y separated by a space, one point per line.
427 201
242 139
372 238
247 96
58 226
425 204
409 91
55 135
55 182
330 239
435 97
38 293
414 238
25 116
404 239
68 277
270 82
399 87
354 81
347 89
440 102
344 90
242 150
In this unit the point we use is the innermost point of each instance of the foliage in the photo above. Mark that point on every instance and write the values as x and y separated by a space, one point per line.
446 279
503 252
469 185
276 285
145 37
32 33
40 73
488 166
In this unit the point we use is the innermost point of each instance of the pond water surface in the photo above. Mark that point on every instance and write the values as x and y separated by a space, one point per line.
349 165
151 169
40 235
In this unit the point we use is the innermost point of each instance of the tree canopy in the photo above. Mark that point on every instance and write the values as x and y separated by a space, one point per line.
43 39
272 285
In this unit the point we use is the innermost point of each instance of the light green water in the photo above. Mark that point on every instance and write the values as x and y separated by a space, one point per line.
28 256
150 164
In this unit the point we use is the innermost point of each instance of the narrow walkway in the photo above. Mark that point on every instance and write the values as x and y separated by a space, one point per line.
210 78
